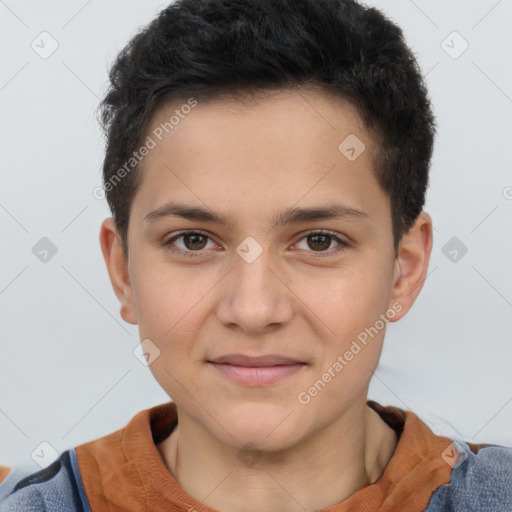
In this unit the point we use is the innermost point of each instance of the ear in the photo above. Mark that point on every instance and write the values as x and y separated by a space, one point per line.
411 265
117 267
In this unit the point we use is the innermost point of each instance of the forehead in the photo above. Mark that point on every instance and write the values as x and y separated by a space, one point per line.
305 113
260 152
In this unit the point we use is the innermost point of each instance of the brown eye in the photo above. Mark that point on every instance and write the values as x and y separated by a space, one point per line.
192 243
319 242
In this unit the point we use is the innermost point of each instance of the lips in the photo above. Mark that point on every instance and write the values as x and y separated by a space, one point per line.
255 361
256 370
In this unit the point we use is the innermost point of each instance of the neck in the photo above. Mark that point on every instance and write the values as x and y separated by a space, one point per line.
339 460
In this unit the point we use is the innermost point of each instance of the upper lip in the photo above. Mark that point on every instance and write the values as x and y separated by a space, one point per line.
245 360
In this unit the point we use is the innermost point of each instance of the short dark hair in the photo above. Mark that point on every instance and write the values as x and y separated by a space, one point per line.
208 49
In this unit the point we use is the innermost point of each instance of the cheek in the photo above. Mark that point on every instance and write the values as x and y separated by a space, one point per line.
163 296
170 304
353 310
346 300
169 317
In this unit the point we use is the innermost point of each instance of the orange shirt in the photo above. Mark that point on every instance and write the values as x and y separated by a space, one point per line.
4 471
123 471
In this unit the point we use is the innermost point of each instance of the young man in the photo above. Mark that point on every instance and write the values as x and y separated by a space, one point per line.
266 169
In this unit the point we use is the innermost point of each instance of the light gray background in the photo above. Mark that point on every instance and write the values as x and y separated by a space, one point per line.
67 370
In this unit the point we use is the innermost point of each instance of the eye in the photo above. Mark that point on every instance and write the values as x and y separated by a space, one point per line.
193 243
319 241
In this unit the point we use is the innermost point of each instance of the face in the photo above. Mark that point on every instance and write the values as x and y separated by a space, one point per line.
290 265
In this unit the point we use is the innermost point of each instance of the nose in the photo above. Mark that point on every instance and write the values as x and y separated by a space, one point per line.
254 296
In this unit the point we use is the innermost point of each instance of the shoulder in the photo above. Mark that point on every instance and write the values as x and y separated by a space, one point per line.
481 480
58 485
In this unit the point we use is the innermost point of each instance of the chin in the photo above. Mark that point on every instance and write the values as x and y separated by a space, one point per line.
268 429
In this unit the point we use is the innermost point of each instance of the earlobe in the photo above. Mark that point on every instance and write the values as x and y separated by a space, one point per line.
117 268
411 264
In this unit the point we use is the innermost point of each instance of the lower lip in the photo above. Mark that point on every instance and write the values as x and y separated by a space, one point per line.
258 375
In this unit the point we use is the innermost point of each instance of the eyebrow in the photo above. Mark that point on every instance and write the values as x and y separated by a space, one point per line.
285 217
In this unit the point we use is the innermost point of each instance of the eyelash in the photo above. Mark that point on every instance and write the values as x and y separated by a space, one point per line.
194 254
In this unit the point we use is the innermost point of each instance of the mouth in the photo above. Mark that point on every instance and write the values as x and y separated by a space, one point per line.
256 371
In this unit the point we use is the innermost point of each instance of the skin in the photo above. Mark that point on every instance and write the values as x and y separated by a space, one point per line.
299 298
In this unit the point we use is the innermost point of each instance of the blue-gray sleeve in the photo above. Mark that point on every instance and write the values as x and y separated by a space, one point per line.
482 482
56 488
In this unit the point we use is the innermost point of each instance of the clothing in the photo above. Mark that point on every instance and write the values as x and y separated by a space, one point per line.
124 471
4 470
